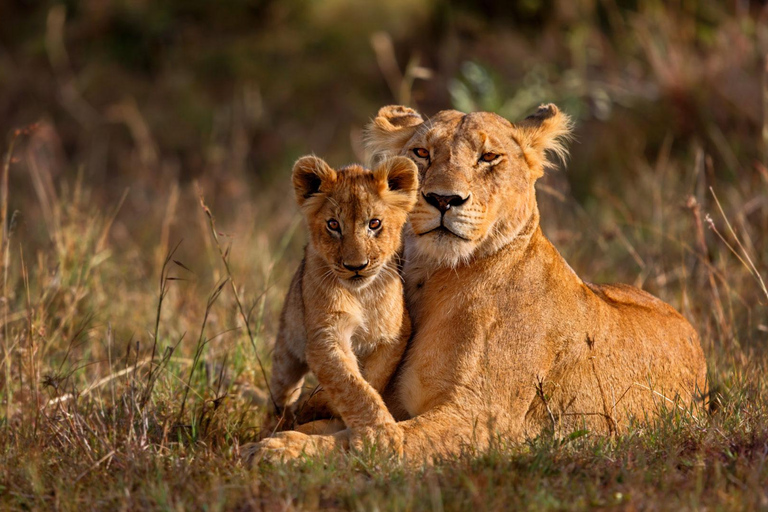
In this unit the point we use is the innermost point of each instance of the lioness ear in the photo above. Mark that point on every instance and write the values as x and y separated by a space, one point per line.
545 131
390 130
398 179
309 174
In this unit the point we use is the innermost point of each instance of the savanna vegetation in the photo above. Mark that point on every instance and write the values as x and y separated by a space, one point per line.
149 234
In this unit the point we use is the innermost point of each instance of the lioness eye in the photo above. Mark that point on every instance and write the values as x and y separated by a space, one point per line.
333 225
489 157
421 153
374 224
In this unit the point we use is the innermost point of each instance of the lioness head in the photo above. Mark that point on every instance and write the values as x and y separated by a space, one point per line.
476 171
355 216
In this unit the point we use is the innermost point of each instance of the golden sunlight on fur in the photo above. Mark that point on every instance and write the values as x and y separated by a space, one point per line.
507 339
344 317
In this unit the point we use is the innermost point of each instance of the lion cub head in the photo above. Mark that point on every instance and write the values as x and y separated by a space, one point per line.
354 215
477 173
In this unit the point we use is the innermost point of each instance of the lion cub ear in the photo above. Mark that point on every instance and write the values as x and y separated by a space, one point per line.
398 180
545 131
390 130
310 173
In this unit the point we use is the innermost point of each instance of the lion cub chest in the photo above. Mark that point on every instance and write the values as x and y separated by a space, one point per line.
370 317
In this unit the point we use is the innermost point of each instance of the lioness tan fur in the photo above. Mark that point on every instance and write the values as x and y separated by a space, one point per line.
344 317
507 339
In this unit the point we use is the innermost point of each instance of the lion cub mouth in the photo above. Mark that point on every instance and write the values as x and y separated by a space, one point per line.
357 280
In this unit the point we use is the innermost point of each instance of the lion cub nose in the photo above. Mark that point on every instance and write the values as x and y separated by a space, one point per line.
444 203
355 268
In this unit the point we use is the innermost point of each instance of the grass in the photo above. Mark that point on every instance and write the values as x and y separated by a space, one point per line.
135 330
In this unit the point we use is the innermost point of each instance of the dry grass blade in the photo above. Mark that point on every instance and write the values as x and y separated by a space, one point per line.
693 205
749 264
201 342
5 242
164 280
95 465
110 220
400 84
241 310
6 170
105 380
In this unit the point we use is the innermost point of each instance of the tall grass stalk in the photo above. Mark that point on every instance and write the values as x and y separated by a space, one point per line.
749 264
5 243
164 280
245 317
201 342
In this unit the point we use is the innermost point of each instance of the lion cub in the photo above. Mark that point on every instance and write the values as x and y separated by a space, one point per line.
344 317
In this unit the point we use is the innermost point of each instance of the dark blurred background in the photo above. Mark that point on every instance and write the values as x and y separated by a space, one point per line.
141 92
158 98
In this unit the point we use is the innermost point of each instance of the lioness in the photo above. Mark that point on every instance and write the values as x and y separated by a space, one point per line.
344 316
507 338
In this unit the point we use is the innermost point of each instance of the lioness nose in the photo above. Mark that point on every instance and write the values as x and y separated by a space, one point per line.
444 203
356 268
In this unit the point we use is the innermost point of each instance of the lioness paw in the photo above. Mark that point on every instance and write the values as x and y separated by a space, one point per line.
286 446
387 439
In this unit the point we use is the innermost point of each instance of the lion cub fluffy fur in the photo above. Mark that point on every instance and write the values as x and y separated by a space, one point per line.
344 317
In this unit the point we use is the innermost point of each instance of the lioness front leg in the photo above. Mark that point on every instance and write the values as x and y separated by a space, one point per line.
444 431
440 432
330 357
285 446
321 427
469 420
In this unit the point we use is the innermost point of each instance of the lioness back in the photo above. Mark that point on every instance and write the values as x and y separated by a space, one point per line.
344 316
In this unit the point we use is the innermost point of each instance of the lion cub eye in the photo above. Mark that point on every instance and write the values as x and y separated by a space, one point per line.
333 225
374 224
489 157
421 153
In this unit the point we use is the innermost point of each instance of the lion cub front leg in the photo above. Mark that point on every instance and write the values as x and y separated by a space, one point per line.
330 357
380 365
377 369
288 373
315 405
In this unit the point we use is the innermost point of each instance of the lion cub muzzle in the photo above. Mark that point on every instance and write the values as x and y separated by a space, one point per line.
356 276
